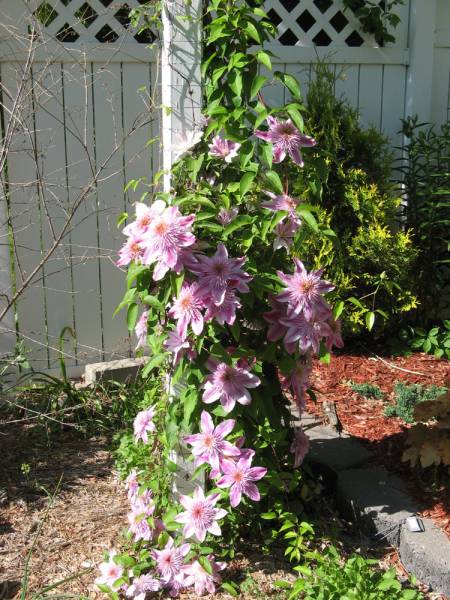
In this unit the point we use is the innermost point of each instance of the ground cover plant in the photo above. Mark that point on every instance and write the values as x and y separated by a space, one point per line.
407 397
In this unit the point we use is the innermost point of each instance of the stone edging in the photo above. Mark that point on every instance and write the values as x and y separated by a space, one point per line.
379 502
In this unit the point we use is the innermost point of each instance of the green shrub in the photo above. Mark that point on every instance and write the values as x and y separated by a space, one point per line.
425 174
357 578
408 396
435 341
368 390
369 259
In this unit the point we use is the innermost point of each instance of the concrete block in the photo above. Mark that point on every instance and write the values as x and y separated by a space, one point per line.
377 500
339 453
427 555
123 371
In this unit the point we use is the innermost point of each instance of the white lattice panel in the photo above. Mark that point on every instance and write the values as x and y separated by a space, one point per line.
316 23
89 21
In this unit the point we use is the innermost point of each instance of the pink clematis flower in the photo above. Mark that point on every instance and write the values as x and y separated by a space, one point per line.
141 330
229 385
240 477
298 381
210 445
279 311
132 485
142 585
200 515
286 139
285 231
132 250
282 202
224 149
143 424
169 233
225 216
304 290
186 309
300 446
225 312
110 572
170 561
179 345
219 273
144 216
307 334
202 580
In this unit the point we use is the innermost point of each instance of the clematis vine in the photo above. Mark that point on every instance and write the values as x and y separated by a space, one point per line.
141 330
170 561
300 446
187 309
286 139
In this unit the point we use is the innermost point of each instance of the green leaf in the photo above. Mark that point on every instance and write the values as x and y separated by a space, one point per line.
152 301
356 302
274 181
132 316
152 364
231 589
203 560
296 117
370 320
246 182
290 82
257 84
337 310
235 82
267 154
238 222
268 516
309 218
128 297
252 32
264 59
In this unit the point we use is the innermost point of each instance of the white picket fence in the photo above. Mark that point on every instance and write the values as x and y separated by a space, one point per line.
95 97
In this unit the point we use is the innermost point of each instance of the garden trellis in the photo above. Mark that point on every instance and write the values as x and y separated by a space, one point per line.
94 85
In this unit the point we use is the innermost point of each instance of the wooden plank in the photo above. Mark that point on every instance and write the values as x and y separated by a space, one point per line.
110 193
370 95
393 103
347 83
80 154
26 221
50 144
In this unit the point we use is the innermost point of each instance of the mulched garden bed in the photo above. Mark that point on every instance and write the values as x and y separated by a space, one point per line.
364 418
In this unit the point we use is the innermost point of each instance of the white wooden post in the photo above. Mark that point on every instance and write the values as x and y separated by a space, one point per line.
180 75
419 86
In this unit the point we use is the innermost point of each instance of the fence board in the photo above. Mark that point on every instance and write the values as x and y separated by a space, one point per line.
108 136
26 221
370 95
50 145
79 148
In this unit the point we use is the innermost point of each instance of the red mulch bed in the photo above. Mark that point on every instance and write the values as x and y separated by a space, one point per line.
364 419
